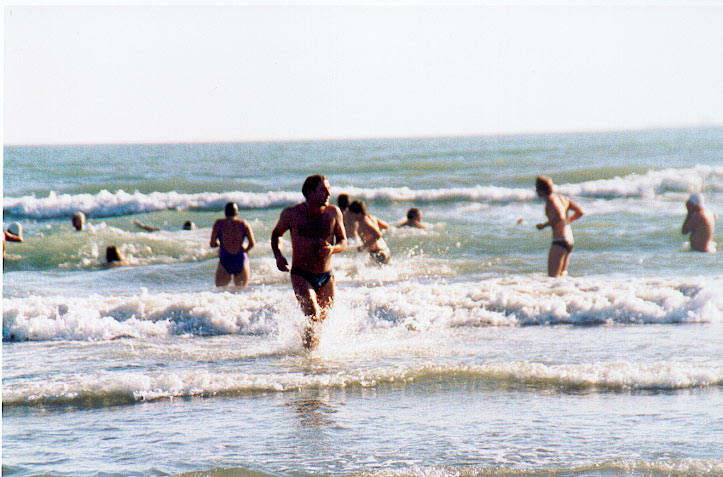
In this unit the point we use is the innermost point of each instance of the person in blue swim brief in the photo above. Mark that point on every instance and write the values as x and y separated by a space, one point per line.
229 235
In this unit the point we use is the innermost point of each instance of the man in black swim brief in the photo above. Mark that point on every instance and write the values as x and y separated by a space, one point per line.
314 225
316 280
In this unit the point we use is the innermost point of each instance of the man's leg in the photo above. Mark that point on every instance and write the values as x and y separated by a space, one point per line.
325 298
555 260
565 261
307 300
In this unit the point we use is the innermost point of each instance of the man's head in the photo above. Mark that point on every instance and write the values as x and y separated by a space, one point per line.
16 229
112 254
696 200
543 186
78 220
358 207
316 190
188 225
414 214
231 209
343 201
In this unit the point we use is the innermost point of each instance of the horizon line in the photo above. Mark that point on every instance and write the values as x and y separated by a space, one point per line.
363 138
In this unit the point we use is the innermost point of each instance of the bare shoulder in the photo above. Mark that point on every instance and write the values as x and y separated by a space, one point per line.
291 211
333 210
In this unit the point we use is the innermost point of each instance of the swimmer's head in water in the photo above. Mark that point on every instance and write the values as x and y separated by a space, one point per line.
188 225
112 254
16 229
413 213
231 209
78 220
543 185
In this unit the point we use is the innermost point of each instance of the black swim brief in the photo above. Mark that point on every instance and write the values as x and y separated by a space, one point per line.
564 244
316 280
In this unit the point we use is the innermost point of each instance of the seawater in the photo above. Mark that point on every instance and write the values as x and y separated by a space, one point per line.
459 357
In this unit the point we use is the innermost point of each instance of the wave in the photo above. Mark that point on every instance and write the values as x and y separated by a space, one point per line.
651 468
103 389
119 203
405 307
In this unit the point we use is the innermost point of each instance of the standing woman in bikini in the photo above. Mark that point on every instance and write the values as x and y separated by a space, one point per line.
557 208
229 234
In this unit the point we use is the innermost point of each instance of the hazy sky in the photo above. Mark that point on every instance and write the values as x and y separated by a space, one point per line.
250 72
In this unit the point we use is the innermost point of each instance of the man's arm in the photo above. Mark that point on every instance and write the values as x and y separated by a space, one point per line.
282 226
250 236
688 224
147 228
214 234
577 212
339 233
381 224
11 237
374 233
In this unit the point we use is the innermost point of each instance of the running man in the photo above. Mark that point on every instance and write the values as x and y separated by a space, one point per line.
699 223
313 225
229 234
557 208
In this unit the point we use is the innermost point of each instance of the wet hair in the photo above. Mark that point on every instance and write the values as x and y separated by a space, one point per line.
311 183
16 229
343 201
112 254
231 209
358 207
413 213
544 185
188 225
78 220
696 199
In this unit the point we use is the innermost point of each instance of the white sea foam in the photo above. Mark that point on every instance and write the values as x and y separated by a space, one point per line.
107 204
651 468
406 306
133 386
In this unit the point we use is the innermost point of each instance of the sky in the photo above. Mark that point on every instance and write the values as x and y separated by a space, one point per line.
250 72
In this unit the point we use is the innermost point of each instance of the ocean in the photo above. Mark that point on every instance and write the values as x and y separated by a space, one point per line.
459 357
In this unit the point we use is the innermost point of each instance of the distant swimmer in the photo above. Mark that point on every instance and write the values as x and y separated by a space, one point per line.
414 219
229 235
700 224
113 257
147 228
78 221
557 208
14 233
187 225
313 225
371 236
